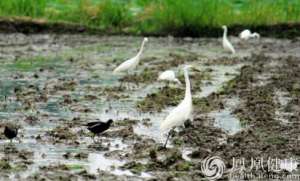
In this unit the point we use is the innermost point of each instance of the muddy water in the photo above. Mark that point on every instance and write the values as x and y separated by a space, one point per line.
52 84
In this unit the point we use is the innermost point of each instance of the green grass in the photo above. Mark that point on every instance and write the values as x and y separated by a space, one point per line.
75 167
154 16
29 64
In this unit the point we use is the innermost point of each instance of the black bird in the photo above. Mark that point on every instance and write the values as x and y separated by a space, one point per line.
98 127
10 132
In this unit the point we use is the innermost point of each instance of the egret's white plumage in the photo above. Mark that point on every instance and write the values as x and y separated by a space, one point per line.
131 63
168 75
246 34
226 44
183 111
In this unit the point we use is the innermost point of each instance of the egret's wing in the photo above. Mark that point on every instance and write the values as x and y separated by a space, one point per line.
245 34
167 75
227 45
161 76
176 117
171 75
231 47
125 65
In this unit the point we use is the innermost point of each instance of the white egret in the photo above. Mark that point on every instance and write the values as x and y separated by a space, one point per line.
131 63
246 34
182 112
168 75
226 44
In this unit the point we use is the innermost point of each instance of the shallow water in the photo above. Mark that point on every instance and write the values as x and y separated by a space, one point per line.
225 119
219 75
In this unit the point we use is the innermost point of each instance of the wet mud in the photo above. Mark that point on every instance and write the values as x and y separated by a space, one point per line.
51 85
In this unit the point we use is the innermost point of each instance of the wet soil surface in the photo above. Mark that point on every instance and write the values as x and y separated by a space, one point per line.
245 106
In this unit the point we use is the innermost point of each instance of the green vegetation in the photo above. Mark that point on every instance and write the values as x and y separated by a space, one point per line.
4 165
155 16
28 64
75 167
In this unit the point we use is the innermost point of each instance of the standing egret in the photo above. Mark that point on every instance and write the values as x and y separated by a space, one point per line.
168 75
246 34
183 111
226 44
131 63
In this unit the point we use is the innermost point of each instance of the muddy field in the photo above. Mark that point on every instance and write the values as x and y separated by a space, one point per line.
245 106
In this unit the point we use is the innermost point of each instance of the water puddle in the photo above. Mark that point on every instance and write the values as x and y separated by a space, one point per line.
219 75
99 162
225 119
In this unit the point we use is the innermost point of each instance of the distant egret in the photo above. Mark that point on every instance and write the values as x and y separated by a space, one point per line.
131 63
226 44
169 76
98 127
246 34
10 132
182 112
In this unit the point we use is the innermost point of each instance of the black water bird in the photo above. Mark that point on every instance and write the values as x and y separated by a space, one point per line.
98 127
10 132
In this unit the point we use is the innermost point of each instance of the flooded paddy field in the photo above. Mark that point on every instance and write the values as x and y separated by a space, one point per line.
245 105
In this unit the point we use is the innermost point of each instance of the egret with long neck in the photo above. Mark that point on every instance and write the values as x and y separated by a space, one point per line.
182 112
226 44
131 64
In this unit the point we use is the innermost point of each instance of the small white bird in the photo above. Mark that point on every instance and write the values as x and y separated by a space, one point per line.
131 63
182 112
226 44
168 75
246 34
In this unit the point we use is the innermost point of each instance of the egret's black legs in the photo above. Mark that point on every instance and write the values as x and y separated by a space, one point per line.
121 84
165 145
